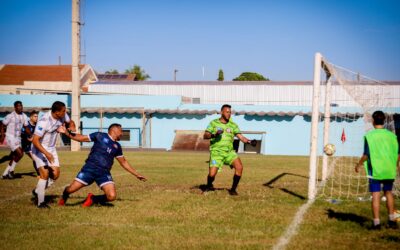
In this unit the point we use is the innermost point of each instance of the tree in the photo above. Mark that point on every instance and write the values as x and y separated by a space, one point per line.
140 74
112 72
220 75
250 76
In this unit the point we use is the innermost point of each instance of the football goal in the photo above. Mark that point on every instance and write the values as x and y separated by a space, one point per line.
343 103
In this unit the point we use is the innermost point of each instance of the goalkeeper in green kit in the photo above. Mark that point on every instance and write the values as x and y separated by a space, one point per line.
222 132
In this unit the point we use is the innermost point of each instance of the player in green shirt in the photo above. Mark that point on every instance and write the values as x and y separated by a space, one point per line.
222 132
380 159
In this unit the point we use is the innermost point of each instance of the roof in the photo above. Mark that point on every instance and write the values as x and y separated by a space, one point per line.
18 74
116 77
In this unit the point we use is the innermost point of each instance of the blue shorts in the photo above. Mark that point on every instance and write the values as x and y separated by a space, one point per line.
375 185
89 174
26 147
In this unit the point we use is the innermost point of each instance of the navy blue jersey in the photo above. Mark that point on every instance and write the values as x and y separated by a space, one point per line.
25 143
103 151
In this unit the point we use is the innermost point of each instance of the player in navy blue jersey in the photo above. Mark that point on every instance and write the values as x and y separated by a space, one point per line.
26 139
98 165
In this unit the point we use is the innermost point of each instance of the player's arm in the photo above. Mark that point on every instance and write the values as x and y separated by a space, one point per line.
125 164
243 139
73 136
208 135
38 145
71 125
363 158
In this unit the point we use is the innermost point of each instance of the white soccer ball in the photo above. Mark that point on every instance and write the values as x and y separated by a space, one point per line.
329 149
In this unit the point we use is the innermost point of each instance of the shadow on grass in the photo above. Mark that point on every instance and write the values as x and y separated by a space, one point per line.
361 220
273 180
391 238
203 188
20 175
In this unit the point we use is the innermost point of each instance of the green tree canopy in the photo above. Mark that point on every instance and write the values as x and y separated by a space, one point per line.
250 76
220 75
112 72
140 74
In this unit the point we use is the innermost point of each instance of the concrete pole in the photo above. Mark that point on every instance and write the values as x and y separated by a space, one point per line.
75 105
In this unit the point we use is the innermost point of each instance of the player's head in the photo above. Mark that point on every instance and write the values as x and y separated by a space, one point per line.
33 116
115 131
18 107
58 109
226 112
378 118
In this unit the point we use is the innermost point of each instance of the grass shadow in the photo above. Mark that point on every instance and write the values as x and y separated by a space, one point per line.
361 220
276 178
20 175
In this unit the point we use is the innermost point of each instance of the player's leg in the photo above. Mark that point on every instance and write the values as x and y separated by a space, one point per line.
375 189
54 172
29 153
106 183
39 191
215 165
72 188
16 154
387 189
235 163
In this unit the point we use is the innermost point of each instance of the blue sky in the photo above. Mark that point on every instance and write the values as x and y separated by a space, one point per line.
275 38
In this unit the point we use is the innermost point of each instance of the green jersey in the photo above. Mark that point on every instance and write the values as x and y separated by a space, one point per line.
224 141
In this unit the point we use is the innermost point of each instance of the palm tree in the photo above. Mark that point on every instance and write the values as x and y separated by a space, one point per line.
140 74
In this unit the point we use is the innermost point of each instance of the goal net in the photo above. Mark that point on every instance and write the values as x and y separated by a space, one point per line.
343 103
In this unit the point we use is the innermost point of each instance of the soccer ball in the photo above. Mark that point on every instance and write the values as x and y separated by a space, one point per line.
329 149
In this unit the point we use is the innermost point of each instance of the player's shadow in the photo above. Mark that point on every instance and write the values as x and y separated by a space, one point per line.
273 180
361 220
203 188
20 175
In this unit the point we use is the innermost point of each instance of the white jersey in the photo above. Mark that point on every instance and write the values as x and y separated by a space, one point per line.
47 127
14 123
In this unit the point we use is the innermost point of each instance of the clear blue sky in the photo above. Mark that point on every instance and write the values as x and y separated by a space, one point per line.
275 38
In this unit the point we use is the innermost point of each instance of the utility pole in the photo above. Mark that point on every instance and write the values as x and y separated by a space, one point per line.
76 82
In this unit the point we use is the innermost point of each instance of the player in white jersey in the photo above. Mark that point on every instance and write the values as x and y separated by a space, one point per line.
44 148
14 121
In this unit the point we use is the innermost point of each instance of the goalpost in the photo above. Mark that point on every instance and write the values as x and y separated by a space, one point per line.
343 103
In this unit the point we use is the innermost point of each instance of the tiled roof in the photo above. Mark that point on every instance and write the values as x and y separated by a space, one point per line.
17 74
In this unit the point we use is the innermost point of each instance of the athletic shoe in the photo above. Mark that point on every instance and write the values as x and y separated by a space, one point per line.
4 177
89 200
11 175
232 192
392 224
61 202
43 205
375 227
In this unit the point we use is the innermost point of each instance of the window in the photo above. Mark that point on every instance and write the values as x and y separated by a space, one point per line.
126 135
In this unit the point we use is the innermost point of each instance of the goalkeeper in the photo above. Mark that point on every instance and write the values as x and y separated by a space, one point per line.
381 154
222 132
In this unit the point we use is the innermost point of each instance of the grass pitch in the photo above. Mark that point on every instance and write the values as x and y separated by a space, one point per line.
170 212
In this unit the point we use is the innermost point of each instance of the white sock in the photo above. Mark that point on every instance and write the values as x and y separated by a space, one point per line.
12 166
8 169
392 217
49 182
40 190
377 222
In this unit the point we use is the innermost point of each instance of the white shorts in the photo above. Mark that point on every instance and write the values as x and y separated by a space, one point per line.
41 160
13 142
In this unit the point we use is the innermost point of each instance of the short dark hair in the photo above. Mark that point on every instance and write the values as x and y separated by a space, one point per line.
379 117
114 125
225 106
34 112
17 103
57 106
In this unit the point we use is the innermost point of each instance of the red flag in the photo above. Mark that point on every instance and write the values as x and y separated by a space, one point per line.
343 137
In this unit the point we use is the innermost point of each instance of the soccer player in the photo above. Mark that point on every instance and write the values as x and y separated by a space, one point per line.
44 148
14 121
98 165
222 132
26 139
380 158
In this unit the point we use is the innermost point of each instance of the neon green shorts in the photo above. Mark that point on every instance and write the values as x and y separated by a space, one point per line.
218 159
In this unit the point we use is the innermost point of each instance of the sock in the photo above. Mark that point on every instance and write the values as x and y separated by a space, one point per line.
12 166
40 190
49 182
392 217
100 199
236 179
210 181
377 222
65 195
8 169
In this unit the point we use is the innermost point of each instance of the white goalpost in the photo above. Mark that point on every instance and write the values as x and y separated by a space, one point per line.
343 102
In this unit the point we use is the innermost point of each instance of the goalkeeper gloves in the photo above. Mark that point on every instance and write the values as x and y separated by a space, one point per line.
252 142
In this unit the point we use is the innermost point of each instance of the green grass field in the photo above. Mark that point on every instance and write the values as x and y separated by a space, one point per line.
170 212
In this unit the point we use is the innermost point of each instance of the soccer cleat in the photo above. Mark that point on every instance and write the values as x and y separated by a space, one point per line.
4 177
11 175
61 202
233 192
392 224
89 200
43 205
